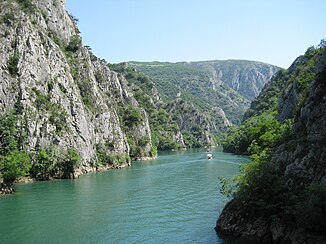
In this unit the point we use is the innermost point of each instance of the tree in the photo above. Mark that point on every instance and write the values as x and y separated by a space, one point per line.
74 44
15 164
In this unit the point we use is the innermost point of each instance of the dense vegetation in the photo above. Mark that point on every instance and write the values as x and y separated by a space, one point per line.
16 161
163 127
262 117
202 111
194 86
261 190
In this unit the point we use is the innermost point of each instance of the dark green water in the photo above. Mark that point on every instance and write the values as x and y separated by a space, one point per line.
174 199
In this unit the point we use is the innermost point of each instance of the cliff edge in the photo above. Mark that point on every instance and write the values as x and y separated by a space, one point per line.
290 196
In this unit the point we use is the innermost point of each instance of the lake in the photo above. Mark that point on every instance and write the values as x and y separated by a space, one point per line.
173 199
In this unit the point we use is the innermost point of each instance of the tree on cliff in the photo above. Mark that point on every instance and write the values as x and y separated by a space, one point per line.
280 196
13 161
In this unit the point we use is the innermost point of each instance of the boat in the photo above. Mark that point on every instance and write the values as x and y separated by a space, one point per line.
209 156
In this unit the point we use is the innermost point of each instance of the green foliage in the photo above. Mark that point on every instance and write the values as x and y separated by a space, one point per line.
190 140
163 127
8 18
259 136
304 73
86 89
42 101
56 39
195 88
58 118
134 150
13 165
68 164
74 44
8 133
12 65
228 186
43 166
130 116
185 89
163 130
27 5
14 162
167 144
106 157
269 97
57 114
256 133
153 151
143 141
54 162
262 189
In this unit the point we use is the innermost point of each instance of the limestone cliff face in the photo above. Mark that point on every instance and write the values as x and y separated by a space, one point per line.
202 125
245 77
301 164
65 96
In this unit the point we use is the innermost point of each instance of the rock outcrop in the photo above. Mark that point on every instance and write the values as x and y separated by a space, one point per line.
205 98
65 97
245 77
199 124
301 165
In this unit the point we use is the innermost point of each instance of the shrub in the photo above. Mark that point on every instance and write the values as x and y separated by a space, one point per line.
13 165
130 116
43 164
9 133
27 5
74 44
86 89
67 166
105 157
12 65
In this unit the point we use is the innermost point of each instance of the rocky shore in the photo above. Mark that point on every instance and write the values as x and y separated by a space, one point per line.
301 164
77 173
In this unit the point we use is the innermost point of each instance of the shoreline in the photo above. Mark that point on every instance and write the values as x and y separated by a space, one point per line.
76 174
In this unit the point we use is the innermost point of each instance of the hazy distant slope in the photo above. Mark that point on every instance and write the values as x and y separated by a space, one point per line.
243 76
229 84
193 85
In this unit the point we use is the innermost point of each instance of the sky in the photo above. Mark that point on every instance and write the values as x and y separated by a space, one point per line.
271 31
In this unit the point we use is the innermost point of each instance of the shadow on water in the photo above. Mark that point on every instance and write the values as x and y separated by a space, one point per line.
227 239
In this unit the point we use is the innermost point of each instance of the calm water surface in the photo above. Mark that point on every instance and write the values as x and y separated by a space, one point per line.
174 199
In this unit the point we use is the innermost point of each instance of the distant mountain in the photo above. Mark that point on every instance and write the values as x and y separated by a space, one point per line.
227 85
206 97
65 112
243 76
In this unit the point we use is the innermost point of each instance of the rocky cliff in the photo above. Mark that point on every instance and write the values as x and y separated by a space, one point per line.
62 95
286 196
205 98
245 77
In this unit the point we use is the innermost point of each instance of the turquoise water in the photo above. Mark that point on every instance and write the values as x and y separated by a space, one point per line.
174 199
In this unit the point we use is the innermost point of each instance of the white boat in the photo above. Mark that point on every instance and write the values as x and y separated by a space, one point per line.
209 156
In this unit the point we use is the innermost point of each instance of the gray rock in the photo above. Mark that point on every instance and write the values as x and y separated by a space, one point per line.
301 162
63 102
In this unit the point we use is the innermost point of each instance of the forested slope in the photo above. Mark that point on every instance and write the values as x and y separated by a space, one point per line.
280 196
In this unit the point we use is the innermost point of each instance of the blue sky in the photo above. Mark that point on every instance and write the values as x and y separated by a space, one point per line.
272 31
